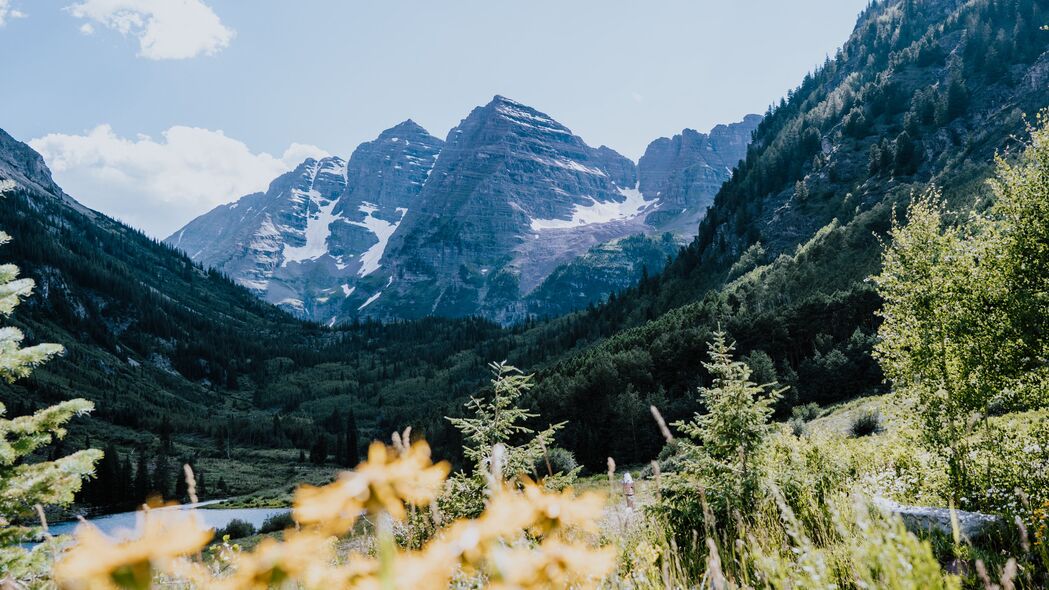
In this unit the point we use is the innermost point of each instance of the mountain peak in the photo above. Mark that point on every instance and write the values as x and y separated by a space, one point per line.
407 127
519 115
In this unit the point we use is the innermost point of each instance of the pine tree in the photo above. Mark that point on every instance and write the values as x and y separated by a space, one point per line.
142 478
353 453
906 154
162 476
24 484
500 421
181 486
127 480
319 451
738 411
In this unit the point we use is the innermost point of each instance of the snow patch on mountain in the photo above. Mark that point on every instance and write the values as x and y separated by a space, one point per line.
370 259
372 299
633 205
318 228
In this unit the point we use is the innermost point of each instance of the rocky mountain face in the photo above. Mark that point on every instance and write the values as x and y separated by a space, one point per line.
513 195
512 216
685 171
306 242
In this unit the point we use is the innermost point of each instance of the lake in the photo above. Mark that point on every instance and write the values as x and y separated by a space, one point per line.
123 524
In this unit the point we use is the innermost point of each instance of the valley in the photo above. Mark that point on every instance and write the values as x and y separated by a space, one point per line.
773 326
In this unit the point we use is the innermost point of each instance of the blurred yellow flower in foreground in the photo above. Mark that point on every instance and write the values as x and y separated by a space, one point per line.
385 482
518 542
99 562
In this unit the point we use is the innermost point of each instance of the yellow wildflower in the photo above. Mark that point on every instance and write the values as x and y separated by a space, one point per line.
99 562
562 510
553 564
382 483
302 557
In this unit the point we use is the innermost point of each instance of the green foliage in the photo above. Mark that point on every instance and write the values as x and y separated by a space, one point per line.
499 444
276 523
236 529
805 412
555 461
724 462
964 325
500 420
25 484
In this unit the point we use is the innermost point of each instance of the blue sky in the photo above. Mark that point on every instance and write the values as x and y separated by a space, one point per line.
155 111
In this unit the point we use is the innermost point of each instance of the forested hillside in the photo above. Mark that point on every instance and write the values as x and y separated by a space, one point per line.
922 93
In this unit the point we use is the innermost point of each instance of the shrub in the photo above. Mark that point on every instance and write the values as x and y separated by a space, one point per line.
556 460
866 423
806 413
236 529
797 426
277 522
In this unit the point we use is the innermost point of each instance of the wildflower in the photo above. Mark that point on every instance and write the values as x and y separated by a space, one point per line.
302 557
98 562
564 510
383 483
553 564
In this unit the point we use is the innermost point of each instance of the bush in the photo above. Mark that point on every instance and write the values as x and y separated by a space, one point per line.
560 461
866 424
277 522
806 413
236 529
797 426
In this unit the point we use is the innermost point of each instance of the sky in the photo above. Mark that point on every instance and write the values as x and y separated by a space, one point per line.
156 111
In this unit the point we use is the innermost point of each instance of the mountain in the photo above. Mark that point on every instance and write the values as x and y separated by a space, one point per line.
304 243
513 194
514 216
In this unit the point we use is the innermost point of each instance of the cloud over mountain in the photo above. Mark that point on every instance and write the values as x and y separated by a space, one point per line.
159 184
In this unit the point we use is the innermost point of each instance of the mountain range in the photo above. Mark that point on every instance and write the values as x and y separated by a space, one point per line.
512 216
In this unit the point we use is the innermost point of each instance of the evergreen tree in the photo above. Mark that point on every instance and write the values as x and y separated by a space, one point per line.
353 453
162 475
142 478
906 154
25 484
127 480
181 486
319 451
736 421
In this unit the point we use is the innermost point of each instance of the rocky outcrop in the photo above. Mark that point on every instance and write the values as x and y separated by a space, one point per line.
23 166
684 172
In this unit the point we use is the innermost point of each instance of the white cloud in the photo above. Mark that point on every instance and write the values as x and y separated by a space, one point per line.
7 12
158 186
166 29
